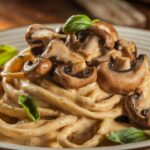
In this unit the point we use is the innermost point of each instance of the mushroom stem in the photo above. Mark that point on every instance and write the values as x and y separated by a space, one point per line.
128 49
90 48
58 50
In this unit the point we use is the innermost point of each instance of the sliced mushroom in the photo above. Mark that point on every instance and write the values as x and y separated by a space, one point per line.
58 50
90 48
122 63
38 34
94 41
107 57
63 75
107 32
128 48
138 109
37 69
122 82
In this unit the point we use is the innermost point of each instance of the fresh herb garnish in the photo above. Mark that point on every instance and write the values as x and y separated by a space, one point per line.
128 135
30 107
6 53
76 23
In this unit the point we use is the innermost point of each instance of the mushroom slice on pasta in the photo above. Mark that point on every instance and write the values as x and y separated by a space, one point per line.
37 69
122 82
137 105
64 77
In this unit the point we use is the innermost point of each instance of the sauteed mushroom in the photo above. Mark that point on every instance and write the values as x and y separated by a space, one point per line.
122 63
64 76
122 82
128 48
138 108
107 32
124 49
34 70
94 41
107 57
58 50
90 48
41 35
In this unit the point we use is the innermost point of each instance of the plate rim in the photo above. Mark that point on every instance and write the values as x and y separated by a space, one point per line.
58 24
142 144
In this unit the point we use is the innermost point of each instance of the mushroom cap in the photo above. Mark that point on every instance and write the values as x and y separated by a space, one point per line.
41 35
57 49
63 77
107 32
35 33
139 117
122 82
37 69
137 104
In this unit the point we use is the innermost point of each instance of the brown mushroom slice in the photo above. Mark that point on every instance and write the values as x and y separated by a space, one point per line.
122 82
38 34
107 32
58 50
90 48
128 48
122 63
37 69
110 55
65 78
138 109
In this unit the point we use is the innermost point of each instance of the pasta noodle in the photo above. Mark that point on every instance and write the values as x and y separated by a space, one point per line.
69 117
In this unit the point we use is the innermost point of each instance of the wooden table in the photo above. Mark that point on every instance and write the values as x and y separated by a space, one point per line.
15 13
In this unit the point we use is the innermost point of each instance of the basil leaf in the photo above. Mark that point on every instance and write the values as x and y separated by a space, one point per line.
76 23
128 135
30 107
6 53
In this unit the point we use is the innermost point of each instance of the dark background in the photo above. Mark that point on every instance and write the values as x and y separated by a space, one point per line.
15 13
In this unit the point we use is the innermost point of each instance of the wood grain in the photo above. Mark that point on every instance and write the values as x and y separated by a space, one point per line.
15 13
145 8
117 12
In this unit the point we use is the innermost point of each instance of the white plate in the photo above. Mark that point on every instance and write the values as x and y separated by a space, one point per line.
141 37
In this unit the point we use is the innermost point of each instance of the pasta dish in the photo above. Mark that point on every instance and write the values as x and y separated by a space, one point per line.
77 86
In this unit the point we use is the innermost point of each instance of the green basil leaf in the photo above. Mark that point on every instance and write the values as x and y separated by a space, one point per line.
30 107
76 23
6 53
128 135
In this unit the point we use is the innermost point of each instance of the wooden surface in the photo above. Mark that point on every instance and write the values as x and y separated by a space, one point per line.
15 13
118 12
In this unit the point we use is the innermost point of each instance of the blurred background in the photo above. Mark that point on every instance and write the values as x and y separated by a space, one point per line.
16 13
